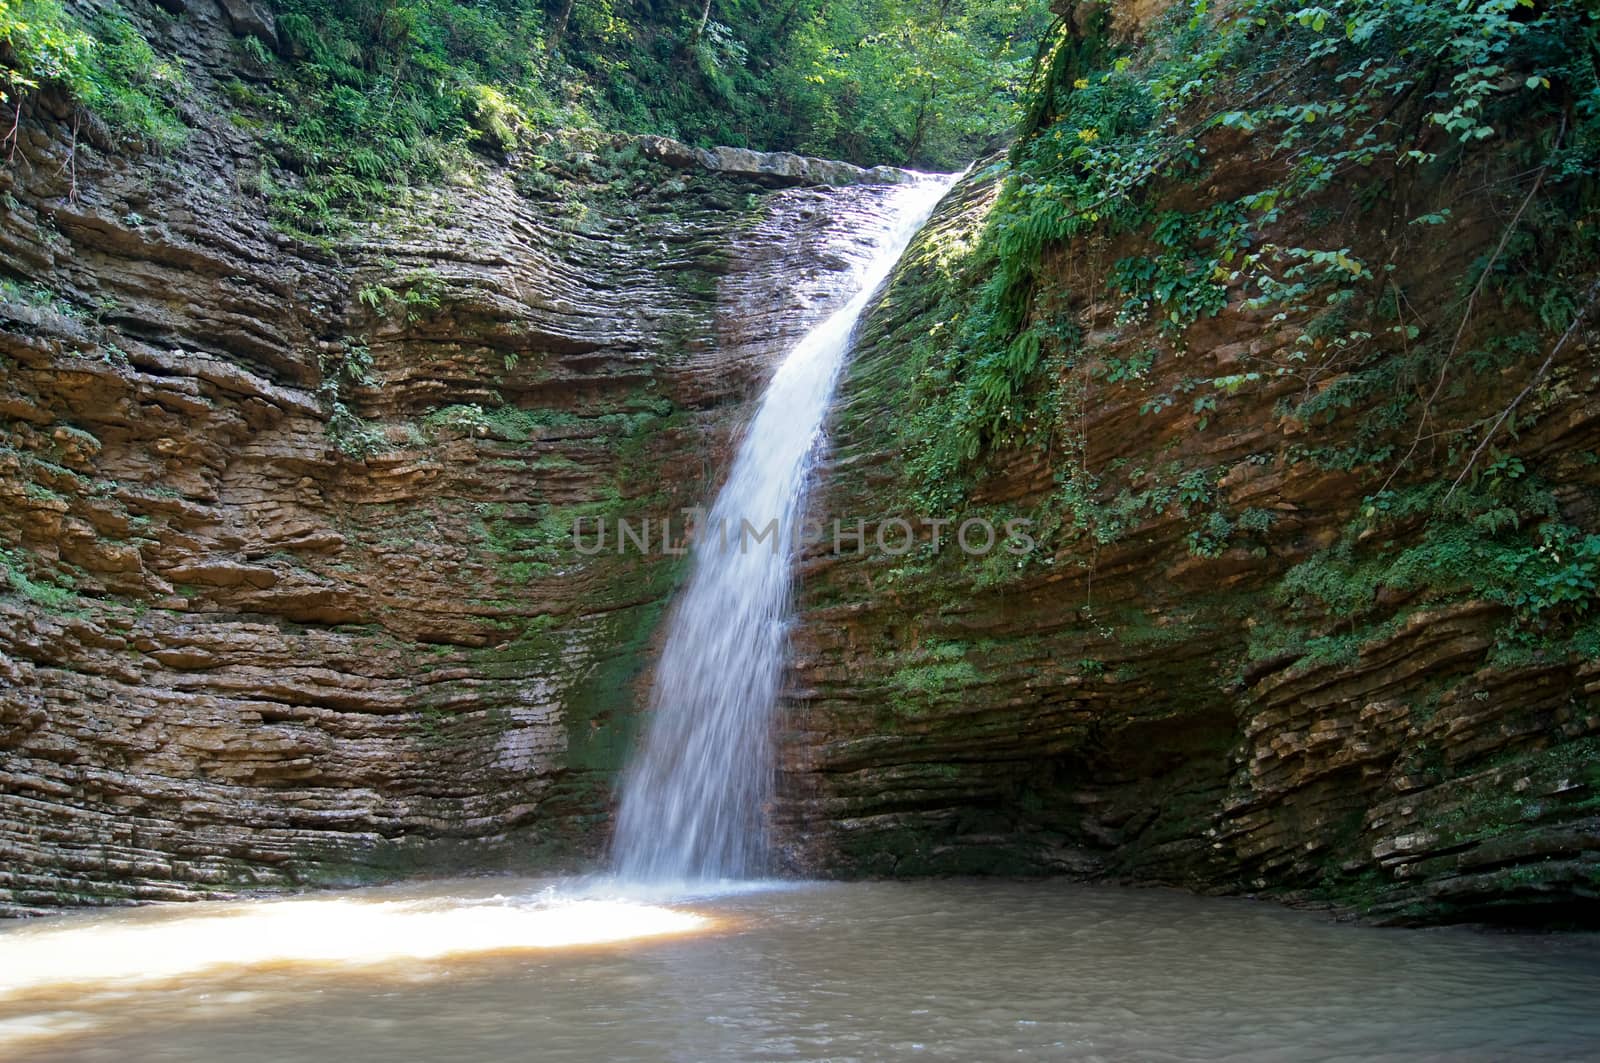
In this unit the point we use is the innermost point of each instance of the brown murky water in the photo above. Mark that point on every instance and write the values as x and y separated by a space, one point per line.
506 969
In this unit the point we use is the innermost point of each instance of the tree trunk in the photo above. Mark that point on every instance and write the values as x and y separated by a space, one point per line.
919 125
559 30
919 128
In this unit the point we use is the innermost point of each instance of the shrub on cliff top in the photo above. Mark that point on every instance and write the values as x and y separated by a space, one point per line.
1383 92
105 66
40 42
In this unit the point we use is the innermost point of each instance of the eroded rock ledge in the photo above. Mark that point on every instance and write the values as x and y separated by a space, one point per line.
780 168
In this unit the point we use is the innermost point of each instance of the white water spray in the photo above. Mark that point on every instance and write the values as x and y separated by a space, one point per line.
693 803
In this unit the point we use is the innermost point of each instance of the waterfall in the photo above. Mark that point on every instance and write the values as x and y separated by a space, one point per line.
693 801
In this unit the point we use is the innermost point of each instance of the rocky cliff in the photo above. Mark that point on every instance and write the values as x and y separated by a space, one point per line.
290 591
1243 655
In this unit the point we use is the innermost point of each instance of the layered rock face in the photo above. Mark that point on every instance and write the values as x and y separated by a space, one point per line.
291 593
1116 705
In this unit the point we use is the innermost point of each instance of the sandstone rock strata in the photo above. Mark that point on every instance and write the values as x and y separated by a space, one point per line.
289 590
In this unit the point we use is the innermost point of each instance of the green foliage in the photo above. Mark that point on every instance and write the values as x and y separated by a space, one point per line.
373 97
924 82
1210 539
42 43
105 65
535 542
932 671
1349 104
414 295
37 296
131 87
54 594
379 95
1558 578
348 367
497 120
517 425
1125 133
1502 541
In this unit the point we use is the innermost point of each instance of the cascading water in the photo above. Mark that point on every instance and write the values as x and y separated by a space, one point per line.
693 802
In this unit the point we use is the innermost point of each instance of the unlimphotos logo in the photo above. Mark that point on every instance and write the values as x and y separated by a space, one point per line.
894 537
